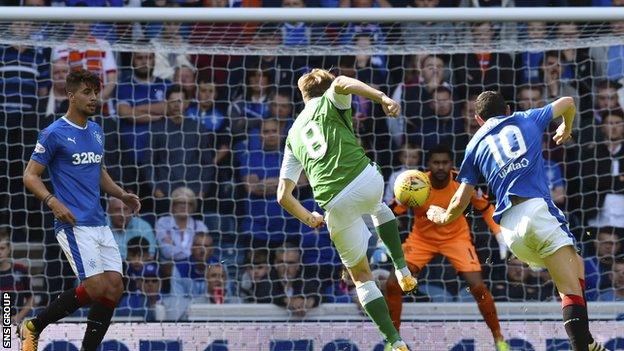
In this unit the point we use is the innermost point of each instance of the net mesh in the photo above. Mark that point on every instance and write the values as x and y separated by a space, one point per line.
305 39
235 86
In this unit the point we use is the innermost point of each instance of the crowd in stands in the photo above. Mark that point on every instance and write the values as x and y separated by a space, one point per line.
200 139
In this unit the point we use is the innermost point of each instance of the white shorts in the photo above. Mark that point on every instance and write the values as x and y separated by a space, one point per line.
534 229
90 250
344 215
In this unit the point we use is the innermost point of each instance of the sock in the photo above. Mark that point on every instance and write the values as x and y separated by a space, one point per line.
375 306
575 321
590 338
64 305
389 234
485 302
98 322
394 299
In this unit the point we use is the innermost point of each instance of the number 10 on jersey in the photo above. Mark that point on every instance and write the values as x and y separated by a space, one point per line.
506 145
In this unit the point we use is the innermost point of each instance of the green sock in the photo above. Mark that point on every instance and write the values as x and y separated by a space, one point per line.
389 234
377 310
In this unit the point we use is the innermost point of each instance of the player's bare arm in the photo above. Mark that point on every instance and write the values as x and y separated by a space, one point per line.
458 204
566 108
346 85
114 190
33 182
294 207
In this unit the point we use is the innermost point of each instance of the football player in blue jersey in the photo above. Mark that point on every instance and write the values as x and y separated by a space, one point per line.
72 149
507 151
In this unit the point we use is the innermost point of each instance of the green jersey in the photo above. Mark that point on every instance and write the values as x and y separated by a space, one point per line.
323 142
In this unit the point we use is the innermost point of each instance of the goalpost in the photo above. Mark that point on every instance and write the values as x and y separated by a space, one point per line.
245 62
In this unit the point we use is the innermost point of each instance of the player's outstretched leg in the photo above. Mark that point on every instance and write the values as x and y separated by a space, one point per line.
374 304
567 277
65 304
387 228
485 302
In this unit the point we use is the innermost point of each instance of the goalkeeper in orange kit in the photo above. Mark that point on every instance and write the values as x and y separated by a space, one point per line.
452 240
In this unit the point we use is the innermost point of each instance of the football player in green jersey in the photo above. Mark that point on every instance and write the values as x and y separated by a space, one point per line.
346 184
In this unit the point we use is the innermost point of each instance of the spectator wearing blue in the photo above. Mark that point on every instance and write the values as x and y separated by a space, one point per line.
189 276
125 226
147 300
216 287
100 30
295 33
616 291
206 112
253 103
24 85
608 245
528 62
137 255
140 102
283 71
259 160
25 77
181 152
175 232
444 123
609 59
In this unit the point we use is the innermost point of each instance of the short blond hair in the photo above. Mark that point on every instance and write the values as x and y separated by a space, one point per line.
184 194
315 83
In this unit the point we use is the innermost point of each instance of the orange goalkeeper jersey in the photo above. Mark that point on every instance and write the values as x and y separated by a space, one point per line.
458 229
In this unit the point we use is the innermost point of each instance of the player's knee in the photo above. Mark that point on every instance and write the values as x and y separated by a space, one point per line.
361 273
382 214
116 288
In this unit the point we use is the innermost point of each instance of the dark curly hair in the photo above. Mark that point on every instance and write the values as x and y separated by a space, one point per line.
75 78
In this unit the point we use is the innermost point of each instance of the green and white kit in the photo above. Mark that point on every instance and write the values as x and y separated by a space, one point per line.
344 180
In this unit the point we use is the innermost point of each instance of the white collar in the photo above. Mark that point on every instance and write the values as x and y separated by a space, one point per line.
74 124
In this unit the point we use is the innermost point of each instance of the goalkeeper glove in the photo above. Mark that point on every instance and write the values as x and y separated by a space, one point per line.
502 247
380 255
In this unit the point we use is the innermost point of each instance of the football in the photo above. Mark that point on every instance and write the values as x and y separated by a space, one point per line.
412 188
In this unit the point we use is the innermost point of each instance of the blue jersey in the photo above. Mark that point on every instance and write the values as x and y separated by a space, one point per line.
507 151
73 156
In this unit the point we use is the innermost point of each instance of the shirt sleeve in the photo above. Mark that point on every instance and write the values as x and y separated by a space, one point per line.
291 167
541 116
468 173
45 148
341 101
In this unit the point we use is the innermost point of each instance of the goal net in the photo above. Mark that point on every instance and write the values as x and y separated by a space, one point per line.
195 107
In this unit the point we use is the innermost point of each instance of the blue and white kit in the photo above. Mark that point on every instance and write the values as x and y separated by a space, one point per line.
73 156
507 151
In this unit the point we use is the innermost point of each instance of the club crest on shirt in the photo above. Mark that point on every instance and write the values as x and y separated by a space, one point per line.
40 149
98 137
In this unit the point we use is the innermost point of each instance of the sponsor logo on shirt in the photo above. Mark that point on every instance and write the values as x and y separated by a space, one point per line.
39 149
84 158
73 140
513 167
